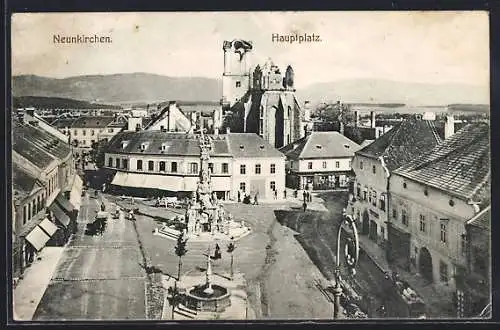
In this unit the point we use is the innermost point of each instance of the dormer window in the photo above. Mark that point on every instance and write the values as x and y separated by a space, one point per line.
124 144
164 147
319 146
144 146
242 147
262 146
346 146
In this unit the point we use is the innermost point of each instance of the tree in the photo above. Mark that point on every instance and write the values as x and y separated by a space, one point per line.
180 251
174 297
230 249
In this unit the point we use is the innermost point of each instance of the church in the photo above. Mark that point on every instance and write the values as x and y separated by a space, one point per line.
259 99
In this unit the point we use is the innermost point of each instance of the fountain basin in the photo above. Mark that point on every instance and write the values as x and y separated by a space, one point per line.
197 299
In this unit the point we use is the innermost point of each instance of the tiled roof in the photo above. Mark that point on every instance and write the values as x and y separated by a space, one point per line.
63 122
182 144
482 219
405 141
36 145
23 182
250 145
93 122
321 145
179 144
460 165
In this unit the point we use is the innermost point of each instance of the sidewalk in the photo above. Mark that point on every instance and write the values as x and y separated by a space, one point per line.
30 289
437 304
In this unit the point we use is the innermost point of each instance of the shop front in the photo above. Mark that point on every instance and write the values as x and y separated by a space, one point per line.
63 222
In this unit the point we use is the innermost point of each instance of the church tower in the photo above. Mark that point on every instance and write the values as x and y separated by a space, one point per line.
236 76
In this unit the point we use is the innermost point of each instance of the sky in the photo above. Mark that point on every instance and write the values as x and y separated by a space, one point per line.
427 47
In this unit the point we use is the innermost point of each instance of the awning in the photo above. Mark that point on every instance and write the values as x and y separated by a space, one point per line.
221 183
75 196
136 180
37 238
64 203
48 227
62 217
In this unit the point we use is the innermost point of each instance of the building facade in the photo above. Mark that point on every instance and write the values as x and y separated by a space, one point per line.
163 163
373 166
45 199
320 161
433 197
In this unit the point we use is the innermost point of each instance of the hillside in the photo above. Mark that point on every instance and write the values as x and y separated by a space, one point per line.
386 91
56 103
150 88
132 87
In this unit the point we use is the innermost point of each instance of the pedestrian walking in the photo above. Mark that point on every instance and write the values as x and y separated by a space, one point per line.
239 196
284 194
295 193
304 205
103 207
255 199
304 194
275 194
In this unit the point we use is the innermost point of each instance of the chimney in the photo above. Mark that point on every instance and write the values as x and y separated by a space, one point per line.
449 126
372 119
356 118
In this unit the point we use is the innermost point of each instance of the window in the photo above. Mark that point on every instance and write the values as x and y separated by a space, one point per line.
443 271
110 162
110 130
33 209
463 244
242 169
358 191
310 165
273 185
162 166
75 133
360 165
242 186
225 168
374 169
151 165
125 163
257 169
374 198
273 168
25 214
382 202
382 232
365 193
394 214
337 164
261 111
211 168
324 164
404 217
29 211
238 84
289 112
193 168
173 167
422 223
443 233
261 127
84 132
139 165
92 132
117 162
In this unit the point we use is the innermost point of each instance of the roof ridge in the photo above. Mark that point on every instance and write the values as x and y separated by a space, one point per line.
392 137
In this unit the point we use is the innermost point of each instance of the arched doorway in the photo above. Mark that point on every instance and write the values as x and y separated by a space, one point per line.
365 228
425 264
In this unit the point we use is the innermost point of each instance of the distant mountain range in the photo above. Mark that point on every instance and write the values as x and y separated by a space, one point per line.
146 87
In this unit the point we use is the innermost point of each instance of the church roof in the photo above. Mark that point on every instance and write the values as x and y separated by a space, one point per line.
321 145
405 141
460 165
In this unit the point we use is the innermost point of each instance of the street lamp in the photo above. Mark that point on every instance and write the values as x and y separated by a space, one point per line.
351 255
